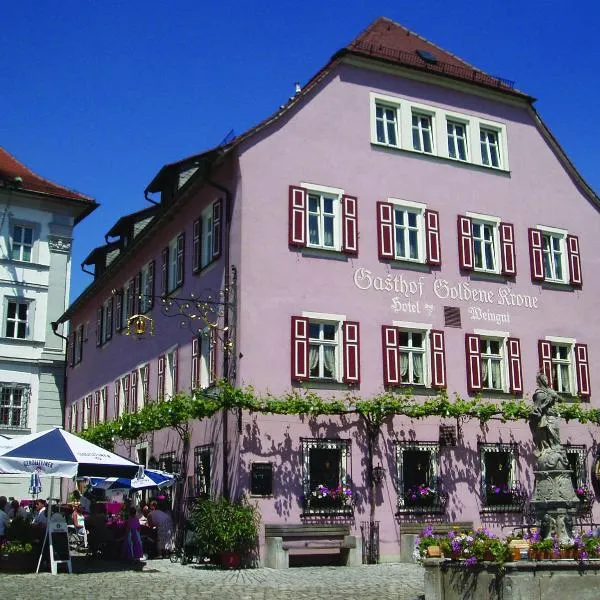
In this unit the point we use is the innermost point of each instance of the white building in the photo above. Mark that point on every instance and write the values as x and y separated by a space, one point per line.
36 225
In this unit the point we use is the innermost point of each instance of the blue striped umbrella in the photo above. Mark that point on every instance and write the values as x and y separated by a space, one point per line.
151 478
35 484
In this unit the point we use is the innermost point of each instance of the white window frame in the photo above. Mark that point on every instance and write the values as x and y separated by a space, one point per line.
561 235
569 344
486 156
396 123
419 113
478 219
172 266
454 121
433 448
417 208
170 358
21 244
16 320
501 337
425 330
145 289
205 358
106 324
504 448
315 318
141 391
405 107
335 194
206 236
10 406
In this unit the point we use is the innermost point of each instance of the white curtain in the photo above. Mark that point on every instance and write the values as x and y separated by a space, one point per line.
329 359
417 368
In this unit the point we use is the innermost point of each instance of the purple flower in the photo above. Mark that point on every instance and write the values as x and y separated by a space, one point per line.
471 561
427 531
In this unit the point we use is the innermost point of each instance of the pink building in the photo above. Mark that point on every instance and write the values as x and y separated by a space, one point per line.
404 221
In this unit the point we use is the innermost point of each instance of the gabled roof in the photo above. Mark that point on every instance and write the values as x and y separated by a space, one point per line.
10 168
124 221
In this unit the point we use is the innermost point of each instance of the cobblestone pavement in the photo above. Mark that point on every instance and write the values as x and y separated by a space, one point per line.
160 579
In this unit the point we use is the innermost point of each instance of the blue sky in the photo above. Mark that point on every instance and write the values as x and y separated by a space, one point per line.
98 96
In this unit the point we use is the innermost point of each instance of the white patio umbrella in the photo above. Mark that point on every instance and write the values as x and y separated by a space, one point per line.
151 478
58 453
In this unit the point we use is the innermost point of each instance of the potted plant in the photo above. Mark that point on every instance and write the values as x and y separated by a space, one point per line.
334 497
420 495
226 530
17 557
541 549
428 544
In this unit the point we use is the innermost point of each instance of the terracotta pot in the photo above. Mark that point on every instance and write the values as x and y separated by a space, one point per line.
487 555
455 555
533 554
515 554
230 560
434 551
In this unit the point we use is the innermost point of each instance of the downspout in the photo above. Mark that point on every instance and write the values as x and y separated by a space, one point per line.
85 271
150 199
54 325
226 298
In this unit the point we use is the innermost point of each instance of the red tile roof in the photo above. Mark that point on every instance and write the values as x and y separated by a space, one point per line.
10 168
387 40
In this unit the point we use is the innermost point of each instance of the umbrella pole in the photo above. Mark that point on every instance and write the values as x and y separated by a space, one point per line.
48 511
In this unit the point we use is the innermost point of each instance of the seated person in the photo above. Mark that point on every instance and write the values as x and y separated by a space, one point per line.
101 537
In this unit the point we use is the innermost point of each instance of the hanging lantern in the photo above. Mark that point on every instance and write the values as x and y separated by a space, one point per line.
139 325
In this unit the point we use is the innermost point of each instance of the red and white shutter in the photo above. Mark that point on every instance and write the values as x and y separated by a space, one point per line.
297 217
105 401
146 385
133 392
351 333
99 326
391 362
438 359
117 399
385 230
126 395
161 377
76 416
465 243
545 356
507 249
535 255
515 374
432 237
164 272
350 225
300 349
196 248
473 356
180 259
212 371
195 362
109 318
87 421
575 278
217 228
583 370
149 291
119 310
69 419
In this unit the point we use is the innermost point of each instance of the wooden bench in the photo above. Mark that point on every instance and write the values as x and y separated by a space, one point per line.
306 538
410 531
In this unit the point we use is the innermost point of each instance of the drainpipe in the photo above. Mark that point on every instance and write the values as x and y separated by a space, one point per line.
54 325
226 297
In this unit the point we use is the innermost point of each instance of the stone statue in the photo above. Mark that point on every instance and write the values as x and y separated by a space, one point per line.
544 420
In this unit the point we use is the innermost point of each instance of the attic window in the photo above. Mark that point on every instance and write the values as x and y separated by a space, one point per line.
427 56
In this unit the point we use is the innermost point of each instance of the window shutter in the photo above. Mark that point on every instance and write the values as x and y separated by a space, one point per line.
137 291
97 408
196 248
105 400
350 225
196 362
391 371
99 326
300 352
109 319
131 298
116 399
216 228
507 246
535 255
175 370
583 370
438 359
69 420
297 217
133 377
149 291
161 377
119 310
351 333
545 356
76 416
432 237
574 261
213 356
80 341
180 259
473 355
164 274
465 243
513 346
146 385
126 395
385 230
71 349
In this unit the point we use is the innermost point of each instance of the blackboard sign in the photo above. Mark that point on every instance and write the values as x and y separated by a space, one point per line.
261 481
60 546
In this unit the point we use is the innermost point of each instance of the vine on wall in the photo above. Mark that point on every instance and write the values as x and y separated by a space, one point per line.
181 408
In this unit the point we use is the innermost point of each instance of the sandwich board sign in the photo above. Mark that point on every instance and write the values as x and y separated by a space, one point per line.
58 537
